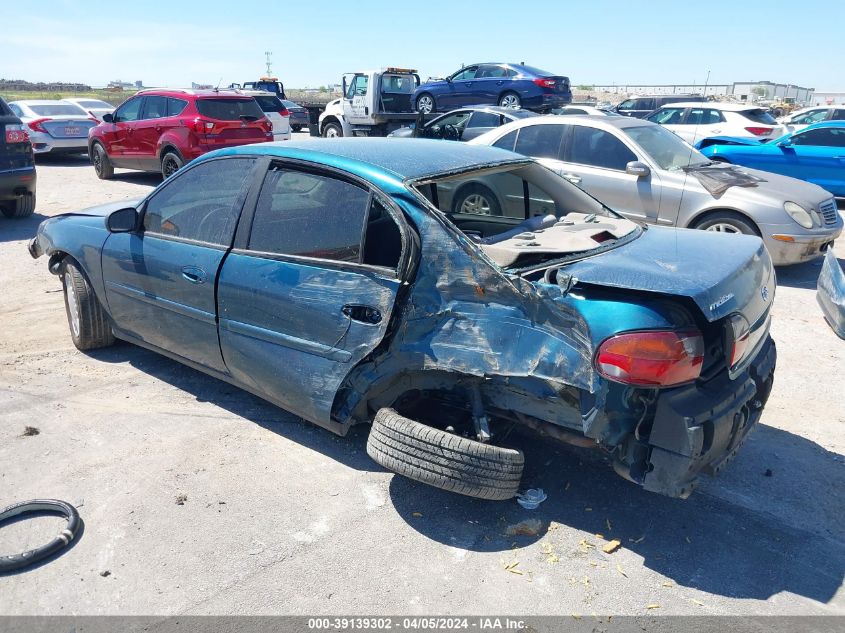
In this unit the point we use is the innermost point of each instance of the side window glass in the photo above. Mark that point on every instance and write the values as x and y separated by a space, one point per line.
667 116
201 203
466 73
838 115
703 116
382 238
458 120
358 87
484 119
591 146
628 104
310 215
540 141
824 137
175 106
490 71
155 107
18 112
644 104
129 111
506 142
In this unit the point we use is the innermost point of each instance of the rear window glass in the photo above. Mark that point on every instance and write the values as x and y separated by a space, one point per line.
229 109
93 103
58 109
269 103
759 116
533 70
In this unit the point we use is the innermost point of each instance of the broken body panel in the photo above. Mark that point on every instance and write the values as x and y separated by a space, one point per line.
527 340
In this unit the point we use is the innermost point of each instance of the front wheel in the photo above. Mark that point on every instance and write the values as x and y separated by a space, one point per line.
510 100
425 103
89 324
332 130
170 164
727 222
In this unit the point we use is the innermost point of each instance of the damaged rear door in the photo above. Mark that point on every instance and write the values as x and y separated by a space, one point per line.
304 296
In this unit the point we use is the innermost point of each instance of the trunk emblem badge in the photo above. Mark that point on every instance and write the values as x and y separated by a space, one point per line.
722 301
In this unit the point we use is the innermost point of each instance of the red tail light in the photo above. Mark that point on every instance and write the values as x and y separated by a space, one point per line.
284 112
545 83
759 131
740 339
201 126
16 134
38 125
652 359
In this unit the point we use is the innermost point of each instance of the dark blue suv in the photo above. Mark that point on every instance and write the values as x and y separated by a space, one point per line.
507 85
17 166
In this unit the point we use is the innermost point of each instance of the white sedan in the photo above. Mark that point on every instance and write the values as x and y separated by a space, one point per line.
694 121
800 119
94 107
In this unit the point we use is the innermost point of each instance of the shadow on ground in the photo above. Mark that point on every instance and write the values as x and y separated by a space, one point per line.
14 229
750 534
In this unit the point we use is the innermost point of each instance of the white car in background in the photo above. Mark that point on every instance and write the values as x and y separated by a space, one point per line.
94 107
274 110
800 119
693 121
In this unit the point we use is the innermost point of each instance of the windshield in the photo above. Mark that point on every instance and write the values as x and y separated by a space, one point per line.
665 148
524 214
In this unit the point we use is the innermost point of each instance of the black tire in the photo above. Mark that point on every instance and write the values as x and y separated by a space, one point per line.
20 207
726 222
296 128
426 104
332 130
102 164
91 328
443 460
486 204
171 162
510 100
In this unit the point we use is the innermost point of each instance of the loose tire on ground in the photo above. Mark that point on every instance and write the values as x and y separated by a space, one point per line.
102 165
21 207
444 460
89 324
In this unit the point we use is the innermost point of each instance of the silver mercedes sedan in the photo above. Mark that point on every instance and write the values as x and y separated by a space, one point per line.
647 173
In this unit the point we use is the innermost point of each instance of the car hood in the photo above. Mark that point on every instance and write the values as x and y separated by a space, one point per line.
722 274
103 210
777 189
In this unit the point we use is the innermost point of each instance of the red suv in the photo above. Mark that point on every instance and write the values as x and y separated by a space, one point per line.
161 130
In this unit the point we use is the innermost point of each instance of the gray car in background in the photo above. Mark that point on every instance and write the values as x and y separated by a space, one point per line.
54 126
647 173
94 107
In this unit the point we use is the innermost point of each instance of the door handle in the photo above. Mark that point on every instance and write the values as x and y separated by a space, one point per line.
572 178
193 274
365 314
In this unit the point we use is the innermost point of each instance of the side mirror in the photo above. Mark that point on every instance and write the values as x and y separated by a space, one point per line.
344 86
638 169
108 118
122 220
787 142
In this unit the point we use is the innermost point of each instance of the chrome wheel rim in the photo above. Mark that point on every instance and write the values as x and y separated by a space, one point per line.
72 305
509 101
98 161
723 227
331 132
477 204
425 105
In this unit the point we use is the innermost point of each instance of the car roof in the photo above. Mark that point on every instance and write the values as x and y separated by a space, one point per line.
376 158
176 92
715 105
620 122
517 112
822 124
37 102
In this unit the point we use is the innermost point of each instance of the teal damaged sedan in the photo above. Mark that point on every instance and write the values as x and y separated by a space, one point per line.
815 154
339 280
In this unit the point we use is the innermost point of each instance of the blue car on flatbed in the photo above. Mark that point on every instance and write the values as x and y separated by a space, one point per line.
342 280
506 85
815 154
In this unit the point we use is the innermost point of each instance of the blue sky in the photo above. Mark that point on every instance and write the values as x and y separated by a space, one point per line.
601 41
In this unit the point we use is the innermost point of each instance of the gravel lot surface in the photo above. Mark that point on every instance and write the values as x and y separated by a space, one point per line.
277 516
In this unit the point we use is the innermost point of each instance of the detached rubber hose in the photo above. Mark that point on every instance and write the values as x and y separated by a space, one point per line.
53 506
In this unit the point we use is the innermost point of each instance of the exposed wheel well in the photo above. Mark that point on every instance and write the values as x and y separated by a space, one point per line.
701 217
329 119
168 148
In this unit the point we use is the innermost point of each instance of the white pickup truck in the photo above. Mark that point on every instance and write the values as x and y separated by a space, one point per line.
374 103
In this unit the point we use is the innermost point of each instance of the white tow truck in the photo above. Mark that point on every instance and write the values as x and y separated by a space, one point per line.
374 103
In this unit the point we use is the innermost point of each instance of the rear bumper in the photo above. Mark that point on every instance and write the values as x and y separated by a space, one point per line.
698 429
547 101
44 144
17 182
